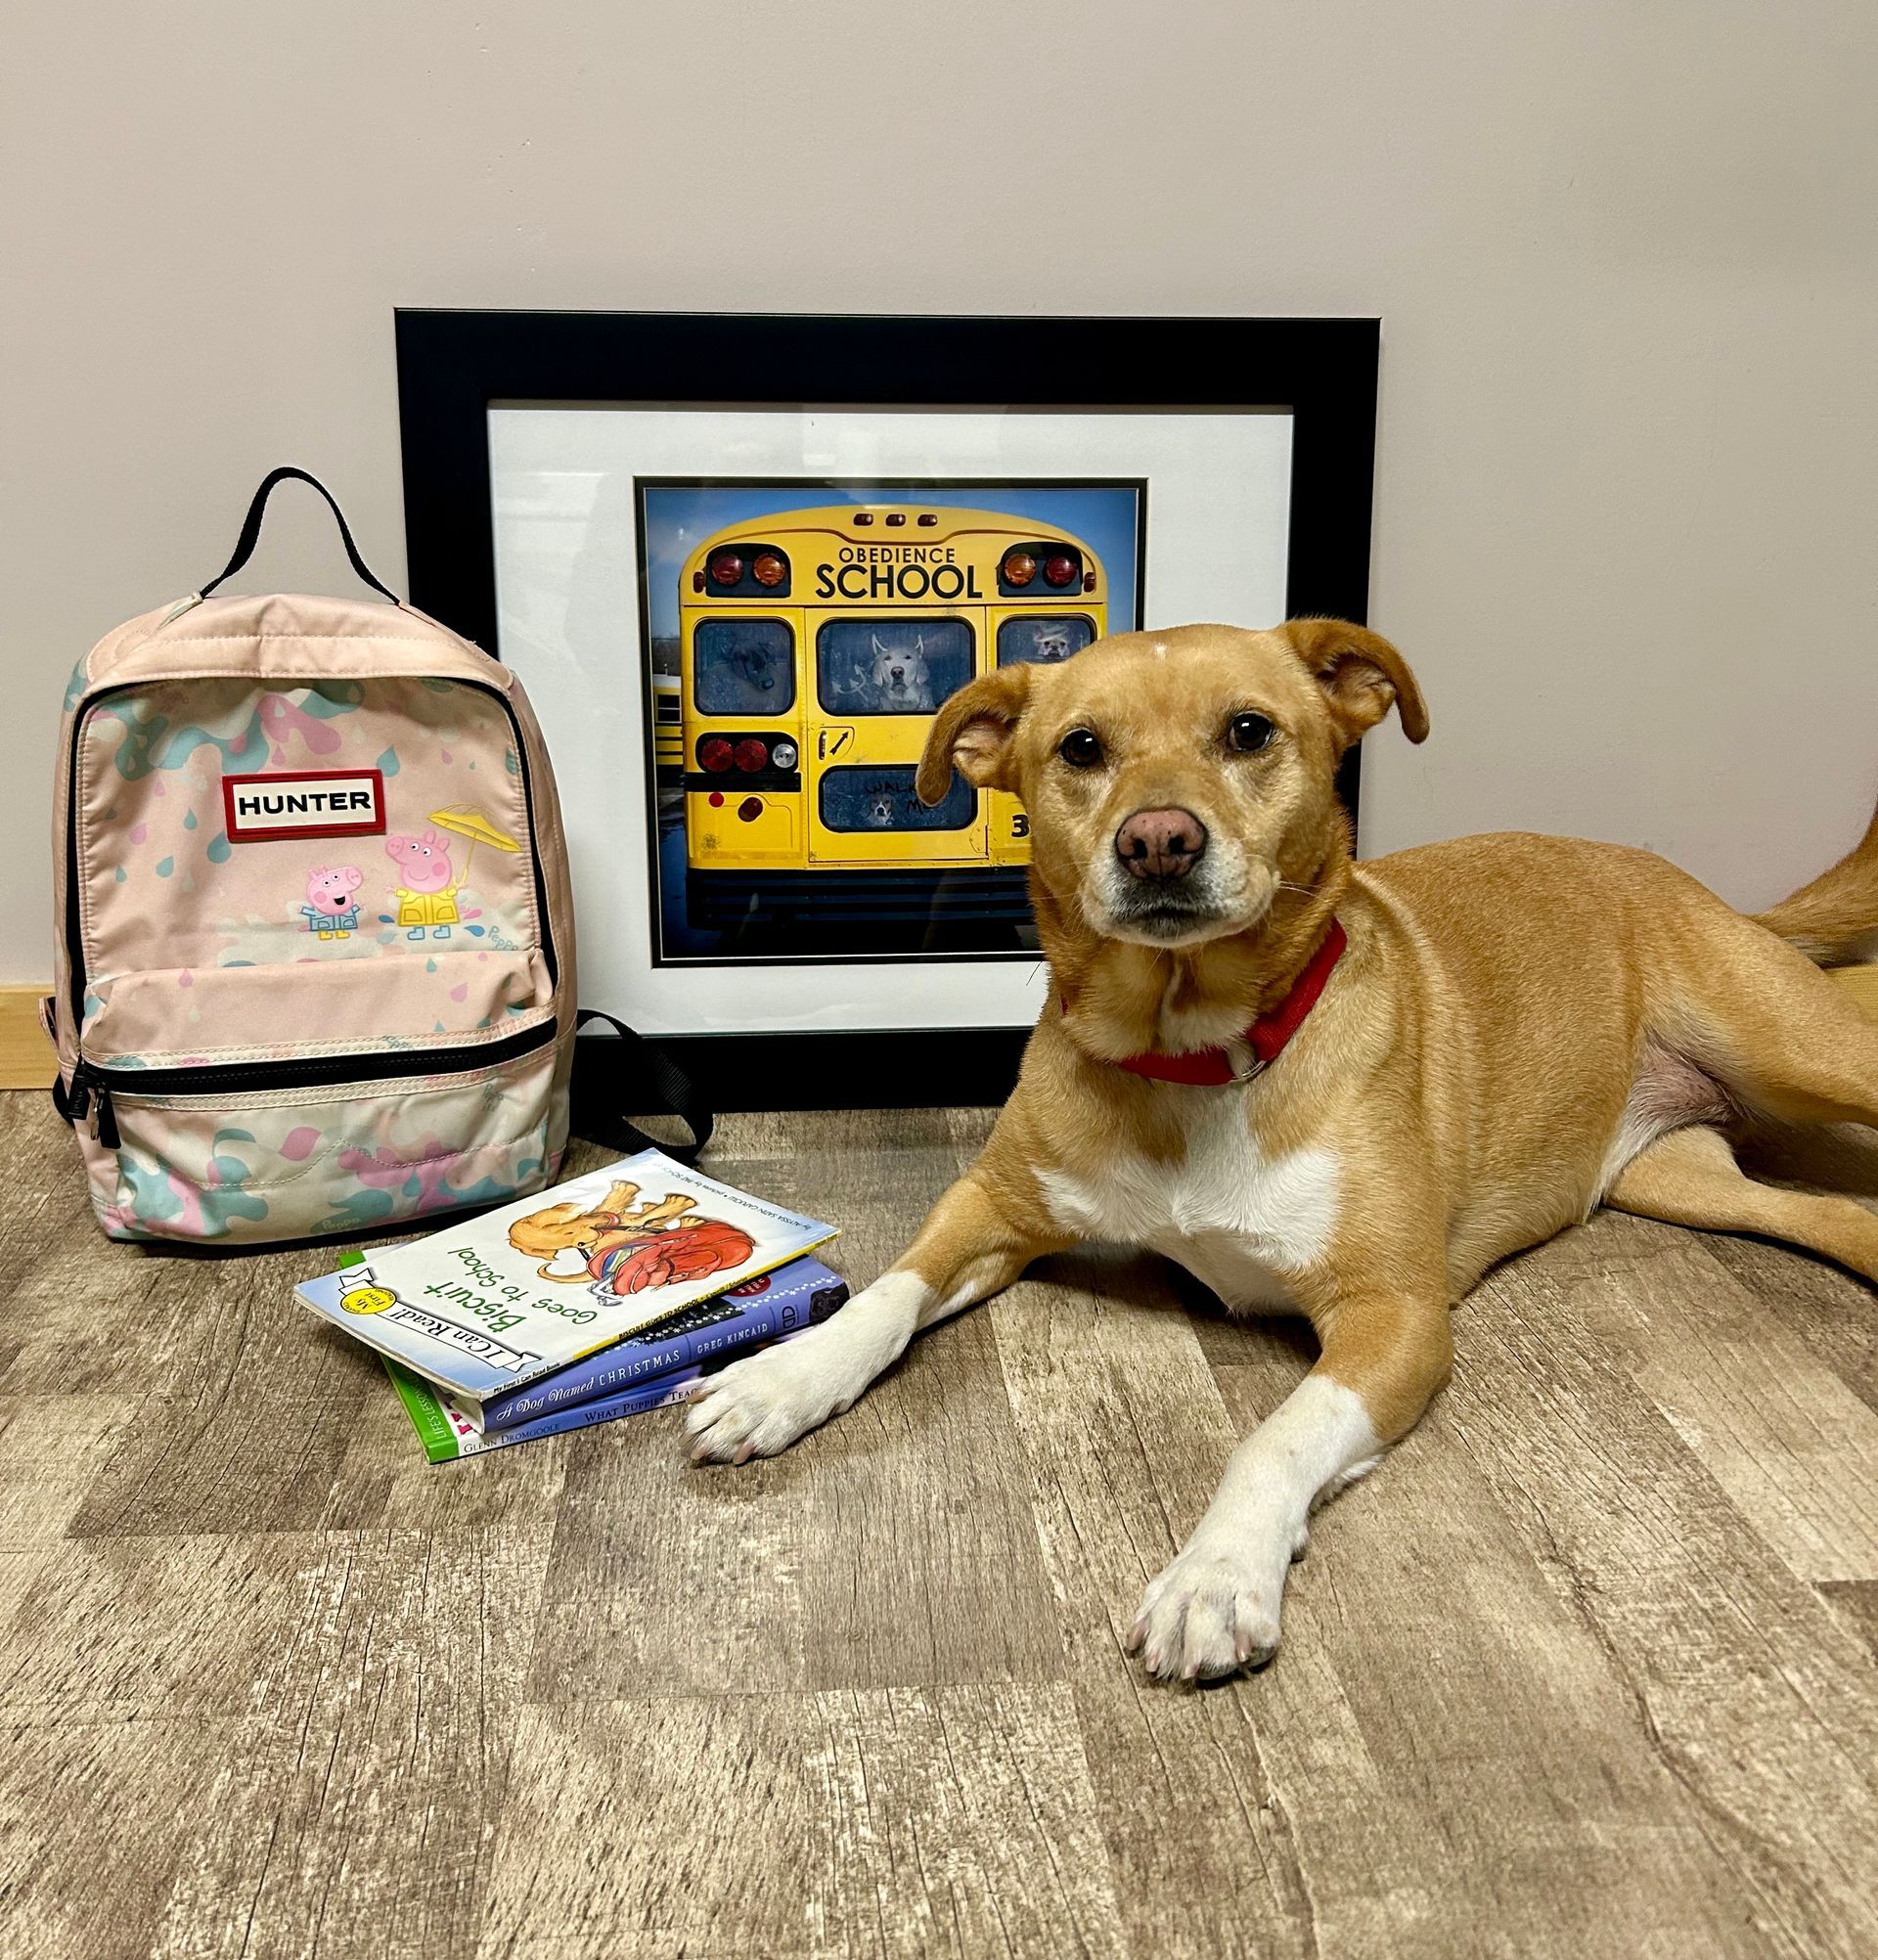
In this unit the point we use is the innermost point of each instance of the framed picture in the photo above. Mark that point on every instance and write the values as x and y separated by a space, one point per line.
739 560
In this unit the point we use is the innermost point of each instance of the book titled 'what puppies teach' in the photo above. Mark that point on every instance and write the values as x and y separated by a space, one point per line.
490 1305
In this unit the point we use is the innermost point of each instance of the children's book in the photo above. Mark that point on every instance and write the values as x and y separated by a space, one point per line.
496 1302
764 1308
447 1433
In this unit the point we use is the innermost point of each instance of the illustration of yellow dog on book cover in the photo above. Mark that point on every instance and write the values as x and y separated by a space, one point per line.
487 1305
625 1249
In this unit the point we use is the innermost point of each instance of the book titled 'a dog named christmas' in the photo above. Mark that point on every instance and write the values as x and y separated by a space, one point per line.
490 1305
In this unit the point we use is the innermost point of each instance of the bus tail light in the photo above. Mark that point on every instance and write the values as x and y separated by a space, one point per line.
783 755
1089 581
752 754
715 754
750 809
766 568
1019 569
727 568
1059 569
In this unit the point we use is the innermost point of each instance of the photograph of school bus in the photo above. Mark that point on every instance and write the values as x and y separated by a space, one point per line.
813 643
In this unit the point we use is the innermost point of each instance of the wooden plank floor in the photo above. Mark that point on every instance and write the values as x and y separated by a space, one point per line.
1590 1667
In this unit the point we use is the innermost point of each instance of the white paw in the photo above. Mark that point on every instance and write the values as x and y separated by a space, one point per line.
1215 1610
762 1404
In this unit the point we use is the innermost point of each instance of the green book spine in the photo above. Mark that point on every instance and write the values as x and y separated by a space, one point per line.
426 1414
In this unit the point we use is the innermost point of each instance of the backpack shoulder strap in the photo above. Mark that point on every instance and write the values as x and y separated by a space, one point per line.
615 1075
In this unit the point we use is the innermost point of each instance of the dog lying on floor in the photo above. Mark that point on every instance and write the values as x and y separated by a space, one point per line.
1322 1087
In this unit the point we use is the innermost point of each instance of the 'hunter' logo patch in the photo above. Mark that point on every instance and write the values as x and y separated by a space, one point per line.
314 803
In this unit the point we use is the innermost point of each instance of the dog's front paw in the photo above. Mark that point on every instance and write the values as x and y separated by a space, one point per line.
1213 1611
761 1405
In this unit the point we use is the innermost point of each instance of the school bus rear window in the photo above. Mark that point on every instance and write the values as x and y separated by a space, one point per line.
891 666
1038 642
743 667
882 798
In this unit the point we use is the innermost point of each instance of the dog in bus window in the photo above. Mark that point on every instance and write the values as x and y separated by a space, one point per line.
1051 642
755 664
899 682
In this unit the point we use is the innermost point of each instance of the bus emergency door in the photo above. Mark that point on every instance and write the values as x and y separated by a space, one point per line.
875 681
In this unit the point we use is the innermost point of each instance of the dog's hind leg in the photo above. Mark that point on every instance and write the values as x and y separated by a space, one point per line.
1691 1177
1769 1026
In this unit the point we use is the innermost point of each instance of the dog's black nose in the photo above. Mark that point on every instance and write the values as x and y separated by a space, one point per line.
1161 843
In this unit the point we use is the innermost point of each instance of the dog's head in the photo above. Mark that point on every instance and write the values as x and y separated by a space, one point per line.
1176 781
1052 643
755 664
899 672
555 1227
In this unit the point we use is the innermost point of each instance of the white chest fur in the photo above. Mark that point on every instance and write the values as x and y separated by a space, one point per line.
1241 1221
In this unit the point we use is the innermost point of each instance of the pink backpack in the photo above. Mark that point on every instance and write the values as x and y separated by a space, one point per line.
314 937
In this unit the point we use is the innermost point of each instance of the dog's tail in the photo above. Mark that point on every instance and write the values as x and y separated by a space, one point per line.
1834 920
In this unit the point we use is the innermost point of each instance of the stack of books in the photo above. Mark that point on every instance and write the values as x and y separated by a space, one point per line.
606 1296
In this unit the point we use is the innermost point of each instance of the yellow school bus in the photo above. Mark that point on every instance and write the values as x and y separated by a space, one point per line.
816 646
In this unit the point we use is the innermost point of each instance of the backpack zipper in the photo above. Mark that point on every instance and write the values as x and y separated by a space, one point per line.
75 931
89 1095
528 812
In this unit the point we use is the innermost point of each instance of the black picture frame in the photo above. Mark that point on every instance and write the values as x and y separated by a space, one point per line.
453 365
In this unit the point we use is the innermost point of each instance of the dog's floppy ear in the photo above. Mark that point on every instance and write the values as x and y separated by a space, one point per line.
1360 675
971 732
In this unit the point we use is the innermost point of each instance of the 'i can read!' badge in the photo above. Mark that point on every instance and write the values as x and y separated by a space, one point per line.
360 1293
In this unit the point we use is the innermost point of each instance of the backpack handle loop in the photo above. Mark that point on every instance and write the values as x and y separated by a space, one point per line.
608 1075
251 531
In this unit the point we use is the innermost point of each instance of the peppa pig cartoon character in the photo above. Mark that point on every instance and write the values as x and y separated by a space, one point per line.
330 909
426 891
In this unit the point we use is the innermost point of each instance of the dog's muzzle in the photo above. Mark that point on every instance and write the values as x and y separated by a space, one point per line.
1163 885
1160 846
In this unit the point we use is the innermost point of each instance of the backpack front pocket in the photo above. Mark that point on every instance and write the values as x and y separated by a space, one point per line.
316 1145
225 1015
323 1099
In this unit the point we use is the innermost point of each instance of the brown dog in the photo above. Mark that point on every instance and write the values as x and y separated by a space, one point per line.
1518 1027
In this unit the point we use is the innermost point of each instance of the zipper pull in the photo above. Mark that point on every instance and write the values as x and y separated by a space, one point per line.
91 1097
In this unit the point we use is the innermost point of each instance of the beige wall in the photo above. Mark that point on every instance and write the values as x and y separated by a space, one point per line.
1624 252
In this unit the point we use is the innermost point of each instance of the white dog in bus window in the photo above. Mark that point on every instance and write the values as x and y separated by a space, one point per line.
899 682
1052 644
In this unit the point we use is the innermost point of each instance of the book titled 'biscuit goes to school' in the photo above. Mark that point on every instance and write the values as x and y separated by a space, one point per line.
487 1306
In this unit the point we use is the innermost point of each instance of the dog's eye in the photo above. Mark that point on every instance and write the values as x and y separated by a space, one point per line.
1080 748
1249 733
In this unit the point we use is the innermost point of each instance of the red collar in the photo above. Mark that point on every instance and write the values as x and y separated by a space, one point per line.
1215 1068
